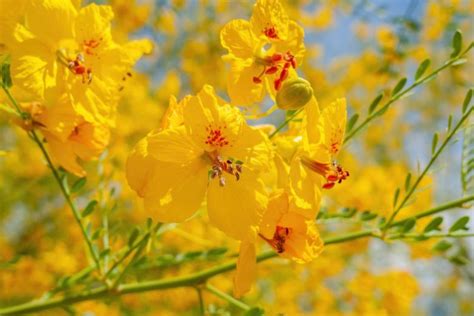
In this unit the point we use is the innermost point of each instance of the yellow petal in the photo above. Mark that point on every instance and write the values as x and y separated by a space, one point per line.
304 243
175 191
89 140
33 68
51 20
206 112
140 167
311 121
238 39
173 145
305 196
236 208
93 24
269 13
333 120
240 86
251 147
246 272
277 206
63 154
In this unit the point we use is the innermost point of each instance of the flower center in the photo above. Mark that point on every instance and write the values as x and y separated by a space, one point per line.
333 172
90 45
279 238
78 67
220 168
215 136
270 32
276 64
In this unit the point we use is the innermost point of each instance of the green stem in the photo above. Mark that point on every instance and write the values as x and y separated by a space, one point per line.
193 279
67 197
22 114
403 93
425 170
64 191
438 235
181 281
130 250
436 210
227 297
202 307
288 120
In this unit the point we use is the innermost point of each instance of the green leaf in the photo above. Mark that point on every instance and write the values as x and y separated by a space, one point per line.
434 224
374 103
89 208
434 143
133 236
442 246
149 223
399 86
104 253
367 216
450 122
395 197
78 185
348 212
407 181
97 234
459 62
467 100
457 43
6 76
460 224
459 260
422 68
255 311
408 225
352 121
217 251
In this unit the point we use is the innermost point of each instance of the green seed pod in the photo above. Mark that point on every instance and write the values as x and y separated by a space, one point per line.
294 94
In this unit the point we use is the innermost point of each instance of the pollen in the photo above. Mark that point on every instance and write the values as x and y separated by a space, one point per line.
221 167
78 67
279 238
277 65
270 32
90 45
215 136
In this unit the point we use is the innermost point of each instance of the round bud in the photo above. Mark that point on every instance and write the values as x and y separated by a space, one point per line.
294 94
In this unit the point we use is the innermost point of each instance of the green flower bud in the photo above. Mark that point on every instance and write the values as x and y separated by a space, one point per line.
294 94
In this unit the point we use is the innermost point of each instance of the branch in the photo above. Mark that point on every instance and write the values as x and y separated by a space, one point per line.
64 191
404 93
428 166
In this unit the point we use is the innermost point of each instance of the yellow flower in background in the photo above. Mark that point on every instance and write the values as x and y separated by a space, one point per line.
214 153
66 50
263 53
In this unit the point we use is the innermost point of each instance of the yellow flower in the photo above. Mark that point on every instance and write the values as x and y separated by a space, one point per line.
68 135
66 50
325 136
263 52
292 235
214 153
246 272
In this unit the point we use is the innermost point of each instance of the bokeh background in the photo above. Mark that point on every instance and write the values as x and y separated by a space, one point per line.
359 48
